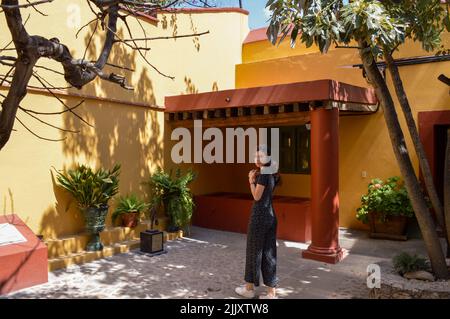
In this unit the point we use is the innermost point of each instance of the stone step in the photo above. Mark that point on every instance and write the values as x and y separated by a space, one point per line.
88 256
83 256
66 246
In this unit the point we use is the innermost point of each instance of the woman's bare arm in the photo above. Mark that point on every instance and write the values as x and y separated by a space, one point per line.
257 191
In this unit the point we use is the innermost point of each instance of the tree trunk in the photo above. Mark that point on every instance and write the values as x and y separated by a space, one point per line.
419 205
17 91
447 184
412 128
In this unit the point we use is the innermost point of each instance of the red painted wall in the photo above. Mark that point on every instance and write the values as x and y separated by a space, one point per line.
231 212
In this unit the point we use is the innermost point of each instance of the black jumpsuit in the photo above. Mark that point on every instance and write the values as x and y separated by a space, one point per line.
261 237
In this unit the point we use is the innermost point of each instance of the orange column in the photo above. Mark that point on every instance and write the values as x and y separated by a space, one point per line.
324 187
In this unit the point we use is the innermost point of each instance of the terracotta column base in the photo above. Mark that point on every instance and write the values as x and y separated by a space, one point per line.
328 257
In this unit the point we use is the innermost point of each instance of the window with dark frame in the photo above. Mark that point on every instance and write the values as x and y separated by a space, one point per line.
295 149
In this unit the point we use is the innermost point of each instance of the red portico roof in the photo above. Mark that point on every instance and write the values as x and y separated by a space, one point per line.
298 92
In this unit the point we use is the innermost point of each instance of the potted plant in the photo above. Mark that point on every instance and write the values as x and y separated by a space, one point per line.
129 209
174 195
386 208
92 190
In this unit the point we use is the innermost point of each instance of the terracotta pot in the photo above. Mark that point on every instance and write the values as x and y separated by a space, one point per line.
130 219
394 228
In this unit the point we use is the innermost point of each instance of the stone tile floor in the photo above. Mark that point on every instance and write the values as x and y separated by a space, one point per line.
210 264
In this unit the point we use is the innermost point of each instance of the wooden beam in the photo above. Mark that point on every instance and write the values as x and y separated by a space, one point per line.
281 119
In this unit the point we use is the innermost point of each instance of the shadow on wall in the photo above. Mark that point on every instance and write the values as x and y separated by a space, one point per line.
64 217
125 134
8 207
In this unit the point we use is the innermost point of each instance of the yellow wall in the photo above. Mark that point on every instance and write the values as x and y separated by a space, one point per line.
132 135
364 140
129 129
264 50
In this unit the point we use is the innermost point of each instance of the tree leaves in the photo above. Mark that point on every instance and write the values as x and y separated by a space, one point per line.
384 25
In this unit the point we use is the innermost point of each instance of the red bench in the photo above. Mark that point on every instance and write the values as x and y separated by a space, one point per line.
231 212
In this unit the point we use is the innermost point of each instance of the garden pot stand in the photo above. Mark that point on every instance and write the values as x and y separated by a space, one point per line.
95 244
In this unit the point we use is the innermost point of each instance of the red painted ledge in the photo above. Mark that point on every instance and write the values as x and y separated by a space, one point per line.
298 92
24 264
256 35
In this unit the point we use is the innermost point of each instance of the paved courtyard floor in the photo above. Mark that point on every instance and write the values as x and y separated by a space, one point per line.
210 264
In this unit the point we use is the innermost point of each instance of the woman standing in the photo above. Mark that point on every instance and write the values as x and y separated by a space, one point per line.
261 255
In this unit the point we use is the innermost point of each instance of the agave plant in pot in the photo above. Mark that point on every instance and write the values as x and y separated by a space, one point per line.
129 209
92 190
174 195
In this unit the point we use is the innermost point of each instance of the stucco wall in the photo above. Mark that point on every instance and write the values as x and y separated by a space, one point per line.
128 127
364 141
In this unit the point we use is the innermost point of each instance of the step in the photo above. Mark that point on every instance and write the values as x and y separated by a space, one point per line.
66 246
108 250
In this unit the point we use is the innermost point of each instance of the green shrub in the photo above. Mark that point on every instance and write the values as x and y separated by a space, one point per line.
388 198
174 195
89 188
405 262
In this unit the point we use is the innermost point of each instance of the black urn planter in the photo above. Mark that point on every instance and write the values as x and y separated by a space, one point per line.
95 223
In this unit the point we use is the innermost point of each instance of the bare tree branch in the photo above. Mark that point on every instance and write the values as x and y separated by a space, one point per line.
168 37
84 26
48 69
29 4
90 39
36 9
5 48
7 75
143 57
77 72
62 102
38 136
46 123
120 67
52 113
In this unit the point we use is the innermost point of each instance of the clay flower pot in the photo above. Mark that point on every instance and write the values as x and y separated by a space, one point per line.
130 219
395 227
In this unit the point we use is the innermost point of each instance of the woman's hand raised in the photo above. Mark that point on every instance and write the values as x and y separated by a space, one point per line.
252 176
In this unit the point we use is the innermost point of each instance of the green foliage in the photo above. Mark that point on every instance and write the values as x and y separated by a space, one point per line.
174 194
405 262
388 198
128 204
383 25
89 188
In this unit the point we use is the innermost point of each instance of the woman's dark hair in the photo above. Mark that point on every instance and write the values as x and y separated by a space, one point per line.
266 150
